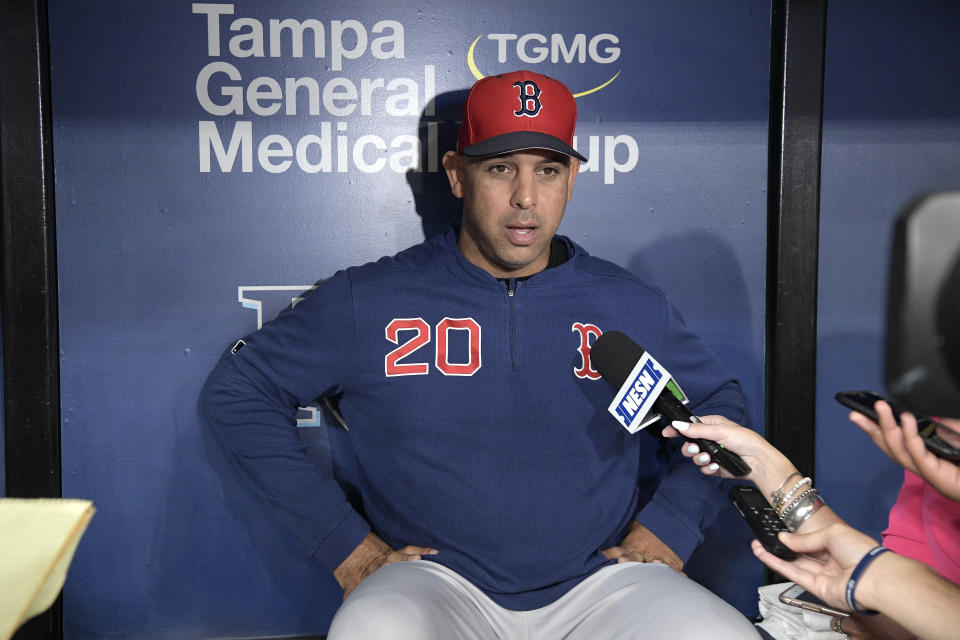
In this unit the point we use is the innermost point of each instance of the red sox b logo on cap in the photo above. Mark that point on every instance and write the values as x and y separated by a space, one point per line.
529 98
507 113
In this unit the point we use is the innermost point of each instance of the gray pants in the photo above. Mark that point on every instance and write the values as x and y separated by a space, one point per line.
422 600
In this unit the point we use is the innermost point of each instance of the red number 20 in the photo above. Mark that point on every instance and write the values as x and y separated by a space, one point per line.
393 366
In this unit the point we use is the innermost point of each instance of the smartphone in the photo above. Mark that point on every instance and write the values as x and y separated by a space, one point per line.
863 401
762 519
797 596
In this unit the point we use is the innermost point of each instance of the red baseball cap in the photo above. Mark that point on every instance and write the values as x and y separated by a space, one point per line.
515 111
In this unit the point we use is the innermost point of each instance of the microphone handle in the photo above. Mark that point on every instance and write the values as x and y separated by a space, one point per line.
721 455
672 409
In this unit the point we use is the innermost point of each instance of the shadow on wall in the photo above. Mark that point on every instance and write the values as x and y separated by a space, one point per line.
702 277
697 269
435 205
305 593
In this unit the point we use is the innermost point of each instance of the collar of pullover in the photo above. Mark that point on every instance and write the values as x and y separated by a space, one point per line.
474 274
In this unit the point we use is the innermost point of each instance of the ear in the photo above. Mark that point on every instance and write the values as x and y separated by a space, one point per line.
574 169
453 164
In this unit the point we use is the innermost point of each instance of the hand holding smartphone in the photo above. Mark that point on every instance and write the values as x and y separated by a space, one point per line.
863 401
762 519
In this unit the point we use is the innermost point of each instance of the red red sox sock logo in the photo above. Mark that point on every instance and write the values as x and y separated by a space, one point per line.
529 98
417 334
586 370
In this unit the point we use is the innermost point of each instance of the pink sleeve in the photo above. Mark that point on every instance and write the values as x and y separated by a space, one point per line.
941 519
905 532
924 526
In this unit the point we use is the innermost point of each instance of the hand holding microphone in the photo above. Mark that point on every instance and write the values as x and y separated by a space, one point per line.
641 383
769 466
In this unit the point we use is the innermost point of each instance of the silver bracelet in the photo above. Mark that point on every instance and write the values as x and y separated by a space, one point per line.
795 503
802 509
790 494
776 496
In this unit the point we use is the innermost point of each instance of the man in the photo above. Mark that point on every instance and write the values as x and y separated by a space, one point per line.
499 496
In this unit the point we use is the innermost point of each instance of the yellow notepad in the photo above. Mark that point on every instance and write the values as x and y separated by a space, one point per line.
38 538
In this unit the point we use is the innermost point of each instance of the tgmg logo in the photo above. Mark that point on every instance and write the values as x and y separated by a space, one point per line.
536 48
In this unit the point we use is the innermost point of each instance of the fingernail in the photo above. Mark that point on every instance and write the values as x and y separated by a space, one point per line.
692 449
713 466
680 426
703 457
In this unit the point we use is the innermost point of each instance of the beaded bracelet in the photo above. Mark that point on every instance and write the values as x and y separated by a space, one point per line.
776 496
793 504
789 496
857 574
782 497
785 481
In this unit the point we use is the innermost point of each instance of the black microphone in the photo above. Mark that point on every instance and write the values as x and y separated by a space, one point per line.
615 356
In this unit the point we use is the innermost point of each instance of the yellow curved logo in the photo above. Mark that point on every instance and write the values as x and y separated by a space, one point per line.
472 65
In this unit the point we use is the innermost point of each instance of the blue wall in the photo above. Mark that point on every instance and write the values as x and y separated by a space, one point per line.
153 251
891 132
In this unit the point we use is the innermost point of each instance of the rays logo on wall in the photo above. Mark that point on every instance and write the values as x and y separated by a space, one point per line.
277 298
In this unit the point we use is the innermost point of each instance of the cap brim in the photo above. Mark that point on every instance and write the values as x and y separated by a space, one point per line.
520 141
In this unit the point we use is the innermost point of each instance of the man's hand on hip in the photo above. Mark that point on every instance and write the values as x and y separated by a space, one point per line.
641 545
369 556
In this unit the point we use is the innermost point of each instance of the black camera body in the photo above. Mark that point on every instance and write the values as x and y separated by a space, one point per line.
923 307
